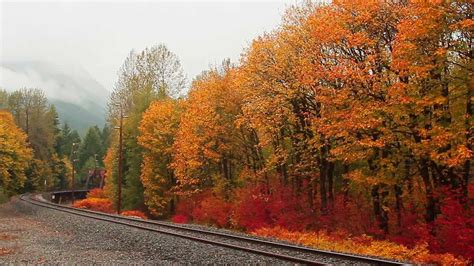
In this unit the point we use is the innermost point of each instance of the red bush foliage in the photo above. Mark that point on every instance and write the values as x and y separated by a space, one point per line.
205 208
255 208
135 213
186 205
213 210
251 209
349 216
413 229
180 219
97 193
454 229
95 204
288 210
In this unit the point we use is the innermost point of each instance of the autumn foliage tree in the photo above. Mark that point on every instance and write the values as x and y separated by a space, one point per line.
15 155
157 134
210 149
40 121
152 74
353 116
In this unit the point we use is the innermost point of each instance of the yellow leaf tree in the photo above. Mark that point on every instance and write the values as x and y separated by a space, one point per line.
14 154
158 129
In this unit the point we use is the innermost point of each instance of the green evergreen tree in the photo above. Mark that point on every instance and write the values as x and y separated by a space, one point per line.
105 137
66 138
91 145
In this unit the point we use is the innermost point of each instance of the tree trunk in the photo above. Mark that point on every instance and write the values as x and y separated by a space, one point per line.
345 186
322 186
381 215
407 177
330 177
376 202
384 213
310 191
398 204
430 200
469 136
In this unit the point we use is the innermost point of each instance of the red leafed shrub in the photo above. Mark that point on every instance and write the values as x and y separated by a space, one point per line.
180 219
288 210
186 205
213 210
413 229
454 229
97 193
351 216
135 213
95 204
251 209
255 208
348 225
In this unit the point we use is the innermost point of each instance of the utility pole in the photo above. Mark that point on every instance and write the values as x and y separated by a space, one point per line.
92 176
74 151
119 179
95 167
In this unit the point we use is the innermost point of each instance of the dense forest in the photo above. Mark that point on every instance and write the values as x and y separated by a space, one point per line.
354 118
36 152
349 127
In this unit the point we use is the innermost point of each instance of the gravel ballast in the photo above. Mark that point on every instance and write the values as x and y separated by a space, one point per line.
34 234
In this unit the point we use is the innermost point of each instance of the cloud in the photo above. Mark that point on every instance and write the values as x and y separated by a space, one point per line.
59 82
12 80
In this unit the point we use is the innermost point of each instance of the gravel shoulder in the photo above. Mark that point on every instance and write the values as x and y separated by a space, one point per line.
34 235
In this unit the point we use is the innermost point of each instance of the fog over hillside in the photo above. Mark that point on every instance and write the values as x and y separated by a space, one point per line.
79 98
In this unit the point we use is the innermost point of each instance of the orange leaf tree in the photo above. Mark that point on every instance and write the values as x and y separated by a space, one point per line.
210 148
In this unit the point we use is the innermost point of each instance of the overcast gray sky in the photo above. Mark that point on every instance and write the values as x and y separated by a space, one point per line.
98 36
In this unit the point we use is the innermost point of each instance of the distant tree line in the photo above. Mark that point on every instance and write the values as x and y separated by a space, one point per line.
50 167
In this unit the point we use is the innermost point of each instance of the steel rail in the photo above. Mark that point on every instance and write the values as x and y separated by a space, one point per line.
345 256
212 242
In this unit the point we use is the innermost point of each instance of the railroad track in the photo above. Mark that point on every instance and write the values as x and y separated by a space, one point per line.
232 241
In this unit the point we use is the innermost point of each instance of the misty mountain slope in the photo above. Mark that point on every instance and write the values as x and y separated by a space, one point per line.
78 117
79 98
